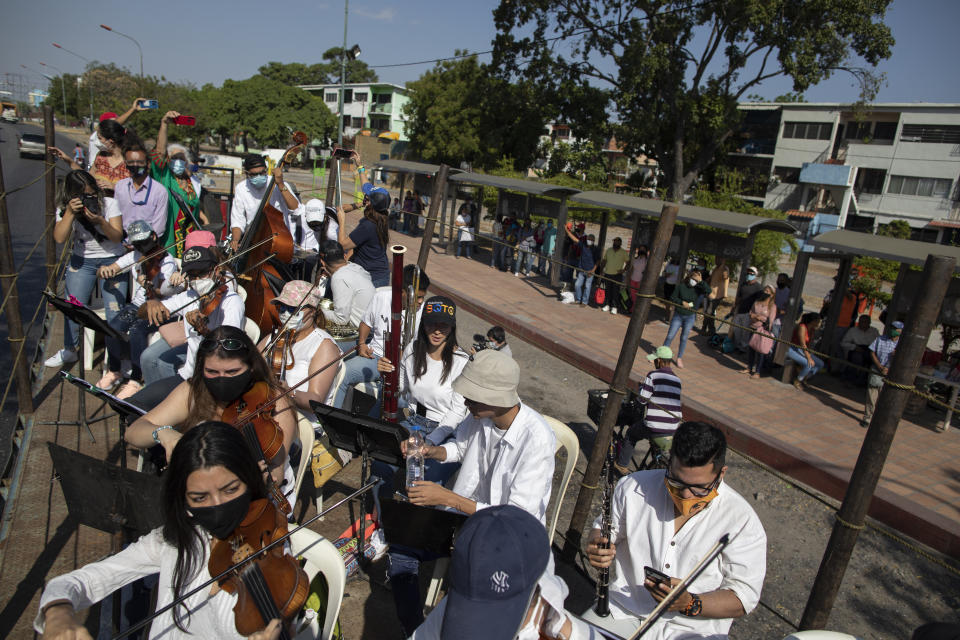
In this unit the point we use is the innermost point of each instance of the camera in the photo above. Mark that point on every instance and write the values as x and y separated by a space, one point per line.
92 203
479 342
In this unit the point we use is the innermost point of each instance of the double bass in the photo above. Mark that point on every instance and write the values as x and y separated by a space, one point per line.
267 280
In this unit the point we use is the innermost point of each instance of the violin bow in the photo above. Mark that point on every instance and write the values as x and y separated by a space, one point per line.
256 554
283 326
153 255
217 285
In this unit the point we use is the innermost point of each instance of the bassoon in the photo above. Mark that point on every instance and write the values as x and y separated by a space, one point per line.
394 338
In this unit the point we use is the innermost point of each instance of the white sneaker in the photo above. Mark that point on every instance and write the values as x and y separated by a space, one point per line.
60 358
516 273
613 311
606 308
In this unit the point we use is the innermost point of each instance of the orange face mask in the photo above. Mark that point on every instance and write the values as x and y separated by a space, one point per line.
689 506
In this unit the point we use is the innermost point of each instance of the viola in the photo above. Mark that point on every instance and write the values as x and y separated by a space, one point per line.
270 586
252 414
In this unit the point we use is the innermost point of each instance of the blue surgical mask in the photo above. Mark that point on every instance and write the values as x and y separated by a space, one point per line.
178 166
751 276
259 181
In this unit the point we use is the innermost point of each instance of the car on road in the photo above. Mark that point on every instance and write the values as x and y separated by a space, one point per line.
32 144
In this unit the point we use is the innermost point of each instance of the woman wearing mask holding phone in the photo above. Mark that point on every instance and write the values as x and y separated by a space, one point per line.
96 223
684 298
170 167
108 167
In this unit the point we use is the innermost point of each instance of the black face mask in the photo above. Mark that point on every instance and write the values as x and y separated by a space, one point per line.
136 171
222 519
228 388
145 248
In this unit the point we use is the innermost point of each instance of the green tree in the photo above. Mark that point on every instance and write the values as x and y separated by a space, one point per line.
356 71
665 76
269 111
459 112
870 276
326 72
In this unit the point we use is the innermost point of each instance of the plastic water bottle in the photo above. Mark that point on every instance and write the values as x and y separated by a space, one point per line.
414 456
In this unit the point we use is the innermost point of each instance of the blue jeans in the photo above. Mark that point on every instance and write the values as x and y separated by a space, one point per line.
80 279
684 321
381 281
524 259
581 288
160 360
464 245
798 356
356 369
404 572
138 330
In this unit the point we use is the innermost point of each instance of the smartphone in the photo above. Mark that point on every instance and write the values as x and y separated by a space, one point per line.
148 104
656 576
185 121
343 154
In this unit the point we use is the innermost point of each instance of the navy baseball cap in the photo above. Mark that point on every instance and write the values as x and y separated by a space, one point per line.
379 199
499 556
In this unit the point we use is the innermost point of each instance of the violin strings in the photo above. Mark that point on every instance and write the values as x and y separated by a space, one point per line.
257 586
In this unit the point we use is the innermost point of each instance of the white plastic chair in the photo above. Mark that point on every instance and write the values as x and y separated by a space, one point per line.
818 634
306 436
252 329
90 341
321 557
566 440
337 380
242 292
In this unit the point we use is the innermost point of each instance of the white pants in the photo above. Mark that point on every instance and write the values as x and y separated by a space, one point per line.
624 628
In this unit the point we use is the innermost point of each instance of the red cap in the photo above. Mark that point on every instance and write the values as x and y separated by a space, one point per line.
108 115
200 239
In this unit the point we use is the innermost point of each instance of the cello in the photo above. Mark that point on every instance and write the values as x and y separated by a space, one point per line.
267 280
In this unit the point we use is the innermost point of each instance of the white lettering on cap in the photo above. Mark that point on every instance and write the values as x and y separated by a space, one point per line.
500 581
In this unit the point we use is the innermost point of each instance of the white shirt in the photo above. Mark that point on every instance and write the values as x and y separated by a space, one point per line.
440 401
466 228
92 149
86 244
231 313
210 616
168 266
521 473
352 290
855 337
246 201
303 352
642 528
377 317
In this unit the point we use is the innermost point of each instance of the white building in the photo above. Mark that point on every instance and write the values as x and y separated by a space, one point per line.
373 106
836 168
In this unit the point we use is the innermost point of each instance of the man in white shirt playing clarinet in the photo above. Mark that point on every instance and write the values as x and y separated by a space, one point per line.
667 521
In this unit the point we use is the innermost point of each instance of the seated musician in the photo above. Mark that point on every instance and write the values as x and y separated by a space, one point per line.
151 279
310 349
228 366
373 327
669 520
206 239
160 361
350 287
249 193
506 450
209 487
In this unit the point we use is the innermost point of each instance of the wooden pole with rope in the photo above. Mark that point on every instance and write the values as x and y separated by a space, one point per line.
439 186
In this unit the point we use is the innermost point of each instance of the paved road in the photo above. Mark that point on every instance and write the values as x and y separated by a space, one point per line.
25 209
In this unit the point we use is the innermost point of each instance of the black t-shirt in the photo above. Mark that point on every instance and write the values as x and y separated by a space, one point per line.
748 295
368 252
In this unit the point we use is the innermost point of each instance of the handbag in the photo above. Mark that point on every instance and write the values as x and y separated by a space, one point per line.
761 341
600 295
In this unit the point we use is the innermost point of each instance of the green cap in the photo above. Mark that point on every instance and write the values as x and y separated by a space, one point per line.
663 353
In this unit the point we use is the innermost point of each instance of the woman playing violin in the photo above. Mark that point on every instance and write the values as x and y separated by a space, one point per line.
208 489
228 367
304 348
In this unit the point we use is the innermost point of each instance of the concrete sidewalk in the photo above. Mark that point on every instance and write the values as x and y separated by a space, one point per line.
811 436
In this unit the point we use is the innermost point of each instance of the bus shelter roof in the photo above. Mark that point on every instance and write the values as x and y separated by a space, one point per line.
532 187
866 244
408 166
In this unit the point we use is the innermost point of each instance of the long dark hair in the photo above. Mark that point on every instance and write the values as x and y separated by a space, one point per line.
75 185
115 133
446 356
211 444
382 223
201 405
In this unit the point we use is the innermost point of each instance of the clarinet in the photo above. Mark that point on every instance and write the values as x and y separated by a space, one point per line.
602 607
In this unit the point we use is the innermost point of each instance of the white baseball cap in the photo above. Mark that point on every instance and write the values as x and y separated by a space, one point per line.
314 210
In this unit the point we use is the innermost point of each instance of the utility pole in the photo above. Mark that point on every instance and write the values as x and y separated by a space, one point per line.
621 377
50 194
937 273
343 74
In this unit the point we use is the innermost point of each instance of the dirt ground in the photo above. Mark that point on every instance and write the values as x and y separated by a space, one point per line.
890 587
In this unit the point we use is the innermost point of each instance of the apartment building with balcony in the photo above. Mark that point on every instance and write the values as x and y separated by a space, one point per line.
831 166
376 107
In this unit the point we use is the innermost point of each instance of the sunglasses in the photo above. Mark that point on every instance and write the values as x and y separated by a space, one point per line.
227 344
697 490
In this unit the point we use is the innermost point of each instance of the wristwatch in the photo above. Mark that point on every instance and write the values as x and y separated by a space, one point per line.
695 607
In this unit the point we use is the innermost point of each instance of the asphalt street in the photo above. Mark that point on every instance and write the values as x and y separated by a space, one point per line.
25 209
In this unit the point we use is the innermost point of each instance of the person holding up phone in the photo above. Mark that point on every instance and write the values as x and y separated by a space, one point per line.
170 167
97 227
663 522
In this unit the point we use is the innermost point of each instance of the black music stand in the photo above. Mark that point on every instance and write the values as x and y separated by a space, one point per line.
86 318
368 437
126 411
419 527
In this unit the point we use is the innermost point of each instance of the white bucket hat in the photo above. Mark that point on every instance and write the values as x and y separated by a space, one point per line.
491 378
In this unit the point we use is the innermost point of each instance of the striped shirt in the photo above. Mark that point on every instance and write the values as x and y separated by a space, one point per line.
661 393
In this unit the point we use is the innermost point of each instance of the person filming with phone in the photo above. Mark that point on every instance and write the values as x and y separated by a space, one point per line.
662 523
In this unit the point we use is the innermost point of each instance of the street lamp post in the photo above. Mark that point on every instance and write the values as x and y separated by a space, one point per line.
139 48
89 85
48 78
63 87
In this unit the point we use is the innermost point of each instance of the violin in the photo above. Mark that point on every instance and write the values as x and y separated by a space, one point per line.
271 586
150 269
199 319
280 350
252 414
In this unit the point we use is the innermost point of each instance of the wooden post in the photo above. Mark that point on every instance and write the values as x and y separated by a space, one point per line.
403 213
50 195
621 378
8 285
893 309
439 186
602 238
793 306
684 252
559 251
937 273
